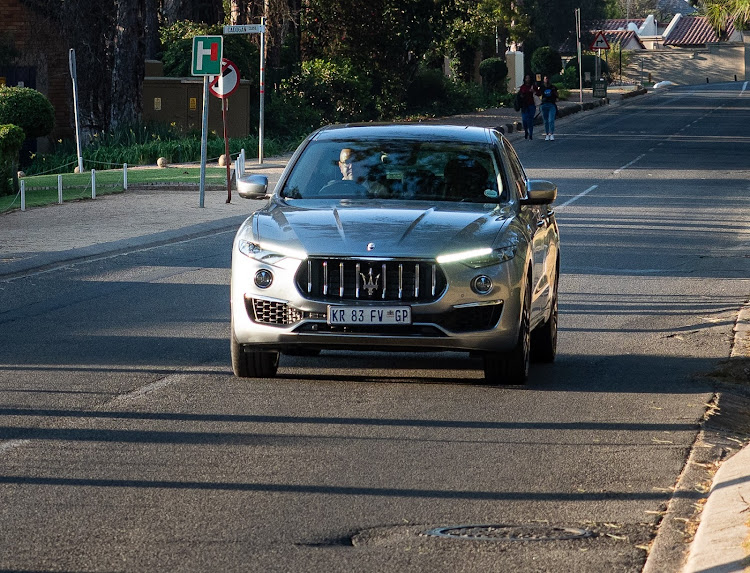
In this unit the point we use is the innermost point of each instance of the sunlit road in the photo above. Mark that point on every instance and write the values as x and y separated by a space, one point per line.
127 445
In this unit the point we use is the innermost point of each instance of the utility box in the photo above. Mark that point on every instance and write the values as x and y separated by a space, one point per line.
179 101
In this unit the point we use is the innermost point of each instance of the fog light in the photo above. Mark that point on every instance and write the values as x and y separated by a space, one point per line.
263 278
482 284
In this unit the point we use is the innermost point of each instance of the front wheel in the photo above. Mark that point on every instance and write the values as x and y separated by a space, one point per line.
253 364
512 367
544 337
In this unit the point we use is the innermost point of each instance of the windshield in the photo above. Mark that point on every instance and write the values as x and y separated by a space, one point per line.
407 170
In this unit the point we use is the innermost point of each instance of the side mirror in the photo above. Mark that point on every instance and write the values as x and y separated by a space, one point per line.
539 192
253 186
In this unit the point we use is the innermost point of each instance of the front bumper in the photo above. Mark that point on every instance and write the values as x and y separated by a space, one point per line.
281 318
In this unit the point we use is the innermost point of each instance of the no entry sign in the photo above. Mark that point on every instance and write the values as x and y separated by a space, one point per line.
224 85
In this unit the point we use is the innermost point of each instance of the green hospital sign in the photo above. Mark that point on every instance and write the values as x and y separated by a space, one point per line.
207 54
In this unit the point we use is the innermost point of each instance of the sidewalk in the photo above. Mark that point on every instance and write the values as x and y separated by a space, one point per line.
58 235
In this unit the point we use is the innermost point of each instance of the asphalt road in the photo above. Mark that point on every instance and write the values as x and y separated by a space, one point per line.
127 445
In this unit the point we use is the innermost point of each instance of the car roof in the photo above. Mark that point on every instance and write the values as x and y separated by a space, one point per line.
462 133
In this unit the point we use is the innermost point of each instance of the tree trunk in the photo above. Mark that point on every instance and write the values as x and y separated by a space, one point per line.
127 73
153 44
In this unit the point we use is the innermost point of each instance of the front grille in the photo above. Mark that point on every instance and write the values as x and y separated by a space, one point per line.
344 279
272 313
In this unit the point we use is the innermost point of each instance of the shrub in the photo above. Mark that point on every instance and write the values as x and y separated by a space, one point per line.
11 140
428 89
494 72
588 64
546 61
336 90
28 109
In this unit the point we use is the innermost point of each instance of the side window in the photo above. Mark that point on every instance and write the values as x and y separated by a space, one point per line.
517 170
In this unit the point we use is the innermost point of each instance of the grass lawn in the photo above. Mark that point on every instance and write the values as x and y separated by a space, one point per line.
42 189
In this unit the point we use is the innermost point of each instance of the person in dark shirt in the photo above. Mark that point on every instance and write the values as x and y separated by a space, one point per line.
549 108
528 107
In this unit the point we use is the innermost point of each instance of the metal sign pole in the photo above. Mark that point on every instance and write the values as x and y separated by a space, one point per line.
204 141
261 126
74 77
580 71
224 106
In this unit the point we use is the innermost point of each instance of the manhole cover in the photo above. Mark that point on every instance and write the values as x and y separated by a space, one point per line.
505 532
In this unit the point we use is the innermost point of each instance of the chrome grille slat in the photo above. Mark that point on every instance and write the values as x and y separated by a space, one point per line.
400 281
410 281
383 274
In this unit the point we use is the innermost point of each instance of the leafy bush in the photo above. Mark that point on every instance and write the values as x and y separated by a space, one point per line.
588 64
494 72
28 109
546 61
428 89
335 90
11 140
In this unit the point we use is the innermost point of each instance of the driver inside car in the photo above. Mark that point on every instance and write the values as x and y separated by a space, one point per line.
354 169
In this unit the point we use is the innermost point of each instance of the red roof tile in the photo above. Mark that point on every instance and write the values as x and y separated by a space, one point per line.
694 31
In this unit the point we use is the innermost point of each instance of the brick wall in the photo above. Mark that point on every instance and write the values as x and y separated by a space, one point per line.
42 48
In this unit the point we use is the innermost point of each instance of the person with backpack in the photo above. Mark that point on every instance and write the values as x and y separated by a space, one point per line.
549 108
525 102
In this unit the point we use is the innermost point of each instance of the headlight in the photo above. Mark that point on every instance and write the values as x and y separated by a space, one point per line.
478 258
269 254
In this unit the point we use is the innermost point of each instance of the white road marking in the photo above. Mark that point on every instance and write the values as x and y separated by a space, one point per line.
577 197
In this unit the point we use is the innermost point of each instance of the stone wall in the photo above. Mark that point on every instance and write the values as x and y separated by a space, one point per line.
689 66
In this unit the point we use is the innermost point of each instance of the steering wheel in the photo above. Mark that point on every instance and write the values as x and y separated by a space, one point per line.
344 189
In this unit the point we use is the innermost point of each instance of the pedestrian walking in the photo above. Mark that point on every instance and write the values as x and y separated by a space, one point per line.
549 108
528 106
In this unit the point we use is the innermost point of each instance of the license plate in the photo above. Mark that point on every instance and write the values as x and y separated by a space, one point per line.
369 315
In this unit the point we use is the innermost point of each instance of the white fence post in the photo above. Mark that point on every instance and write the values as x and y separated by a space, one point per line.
124 176
93 183
23 195
59 190
240 168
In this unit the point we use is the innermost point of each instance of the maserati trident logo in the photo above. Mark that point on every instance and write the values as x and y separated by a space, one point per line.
370 283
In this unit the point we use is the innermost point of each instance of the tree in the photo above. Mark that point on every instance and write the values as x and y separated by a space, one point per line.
719 13
546 61
474 23
552 21
129 52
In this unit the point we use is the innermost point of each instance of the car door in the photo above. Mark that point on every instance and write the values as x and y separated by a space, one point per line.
539 227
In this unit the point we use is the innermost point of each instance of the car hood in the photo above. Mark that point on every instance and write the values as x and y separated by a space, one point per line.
389 229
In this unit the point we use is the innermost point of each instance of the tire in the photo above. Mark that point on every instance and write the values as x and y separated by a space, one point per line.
512 367
544 337
253 364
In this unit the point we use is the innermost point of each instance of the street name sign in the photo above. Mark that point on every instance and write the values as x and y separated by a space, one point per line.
245 29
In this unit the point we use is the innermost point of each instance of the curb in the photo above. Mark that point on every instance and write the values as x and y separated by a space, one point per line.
722 541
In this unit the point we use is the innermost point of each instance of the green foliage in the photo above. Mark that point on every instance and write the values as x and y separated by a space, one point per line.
494 72
177 40
11 140
546 61
336 90
428 89
28 109
588 64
